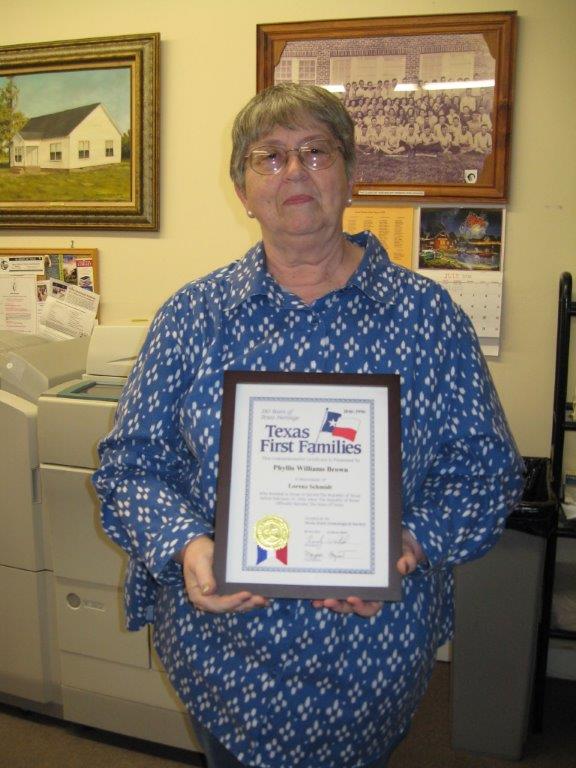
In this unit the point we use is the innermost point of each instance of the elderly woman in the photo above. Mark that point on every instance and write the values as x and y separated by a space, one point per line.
284 682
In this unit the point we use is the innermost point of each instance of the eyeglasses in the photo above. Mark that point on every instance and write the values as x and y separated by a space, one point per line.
314 155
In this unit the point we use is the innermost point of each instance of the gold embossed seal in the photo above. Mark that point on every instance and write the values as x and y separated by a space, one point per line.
272 533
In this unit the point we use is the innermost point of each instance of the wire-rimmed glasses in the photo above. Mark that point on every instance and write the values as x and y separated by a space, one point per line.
315 155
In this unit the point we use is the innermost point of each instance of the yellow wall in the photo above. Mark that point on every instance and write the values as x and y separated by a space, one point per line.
208 72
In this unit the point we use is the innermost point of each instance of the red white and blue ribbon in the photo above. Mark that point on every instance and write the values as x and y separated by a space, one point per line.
263 554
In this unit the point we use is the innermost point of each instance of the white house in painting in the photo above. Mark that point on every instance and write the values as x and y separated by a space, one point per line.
75 138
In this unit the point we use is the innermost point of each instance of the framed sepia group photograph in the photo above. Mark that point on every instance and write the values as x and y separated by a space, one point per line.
79 134
430 97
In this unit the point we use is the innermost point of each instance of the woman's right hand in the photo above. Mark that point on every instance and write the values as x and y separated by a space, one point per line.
196 559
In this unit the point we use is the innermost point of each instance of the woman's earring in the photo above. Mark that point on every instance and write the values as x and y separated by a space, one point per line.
250 214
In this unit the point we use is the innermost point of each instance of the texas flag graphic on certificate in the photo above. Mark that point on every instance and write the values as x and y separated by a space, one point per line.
339 426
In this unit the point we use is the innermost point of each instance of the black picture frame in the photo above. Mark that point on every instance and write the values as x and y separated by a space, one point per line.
338 384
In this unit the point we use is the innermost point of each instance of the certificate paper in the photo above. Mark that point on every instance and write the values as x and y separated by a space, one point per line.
309 485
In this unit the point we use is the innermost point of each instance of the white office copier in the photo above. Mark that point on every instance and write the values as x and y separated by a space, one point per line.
29 669
110 678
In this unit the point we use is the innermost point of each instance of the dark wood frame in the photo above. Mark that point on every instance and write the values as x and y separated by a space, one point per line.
499 32
311 591
142 54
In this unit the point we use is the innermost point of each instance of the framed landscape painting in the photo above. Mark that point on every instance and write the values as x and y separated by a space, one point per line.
430 97
79 134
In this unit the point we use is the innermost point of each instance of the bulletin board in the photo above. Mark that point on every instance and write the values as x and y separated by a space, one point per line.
32 278
73 266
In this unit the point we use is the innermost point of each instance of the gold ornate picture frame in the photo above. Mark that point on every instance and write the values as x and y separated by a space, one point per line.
80 146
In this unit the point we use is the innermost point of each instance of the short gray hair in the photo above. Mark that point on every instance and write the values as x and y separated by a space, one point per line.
289 105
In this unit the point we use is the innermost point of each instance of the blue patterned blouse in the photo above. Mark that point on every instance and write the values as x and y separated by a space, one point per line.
292 686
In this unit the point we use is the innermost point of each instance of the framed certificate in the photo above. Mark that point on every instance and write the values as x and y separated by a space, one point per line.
309 499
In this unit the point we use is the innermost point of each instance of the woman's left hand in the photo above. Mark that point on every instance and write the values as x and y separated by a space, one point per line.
364 608
412 555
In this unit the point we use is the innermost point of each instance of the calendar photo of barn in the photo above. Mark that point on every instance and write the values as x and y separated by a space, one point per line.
464 238
83 137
